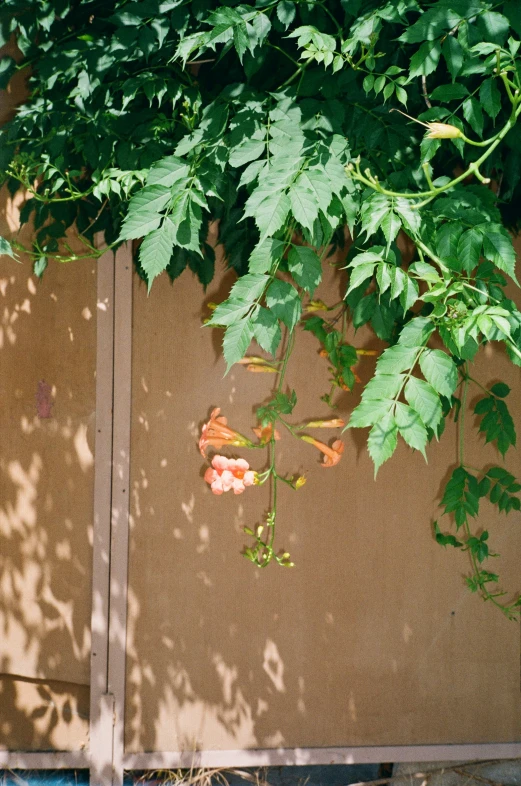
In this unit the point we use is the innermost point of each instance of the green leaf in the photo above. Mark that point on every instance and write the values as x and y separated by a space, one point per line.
453 92
305 267
236 341
425 271
265 255
411 427
497 423
350 207
440 371
473 114
453 54
304 204
396 359
186 217
143 212
40 266
283 299
168 171
409 293
367 256
391 225
497 246
6 249
271 214
382 440
401 95
374 209
431 24
500 389
248 150
447 238
423 398
360 274
315 325
156 249
495 27
490 98
383 386
446 540
383 277
228 312
469 249
411 218
388 90
369 412
364 310
425 60
7 69
416 333
249 287
266 330
461 496
316 181
286 12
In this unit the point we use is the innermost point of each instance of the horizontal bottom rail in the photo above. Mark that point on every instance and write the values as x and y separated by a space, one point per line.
44 760
309 756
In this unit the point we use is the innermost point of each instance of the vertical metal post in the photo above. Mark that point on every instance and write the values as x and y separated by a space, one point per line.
120 502
101 704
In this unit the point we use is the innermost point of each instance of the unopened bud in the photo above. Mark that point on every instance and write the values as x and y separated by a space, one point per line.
443 131
316 305
331 423
300 481
261 369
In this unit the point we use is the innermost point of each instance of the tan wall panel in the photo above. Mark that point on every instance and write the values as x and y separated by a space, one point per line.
47 335
47 331
43 716
371 639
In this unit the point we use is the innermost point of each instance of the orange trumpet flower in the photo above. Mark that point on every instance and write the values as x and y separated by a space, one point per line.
265 433
217 433
332 455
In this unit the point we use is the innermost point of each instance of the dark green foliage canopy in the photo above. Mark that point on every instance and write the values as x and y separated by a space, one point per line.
285 121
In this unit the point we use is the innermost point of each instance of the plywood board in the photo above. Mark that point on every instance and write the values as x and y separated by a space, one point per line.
371 639
39 715
47 390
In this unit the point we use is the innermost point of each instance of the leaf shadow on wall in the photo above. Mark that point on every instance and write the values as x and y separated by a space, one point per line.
47 351
223 655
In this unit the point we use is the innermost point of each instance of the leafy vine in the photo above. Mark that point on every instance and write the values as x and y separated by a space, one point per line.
284 122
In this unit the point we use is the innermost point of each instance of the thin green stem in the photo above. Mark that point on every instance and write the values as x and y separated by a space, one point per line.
289 350
372 182
283 52
461 442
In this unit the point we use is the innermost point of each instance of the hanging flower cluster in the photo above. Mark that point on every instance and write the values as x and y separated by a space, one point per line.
226 474
234 474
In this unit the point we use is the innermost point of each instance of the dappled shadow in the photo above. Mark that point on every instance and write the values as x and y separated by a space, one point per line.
370 640
47 389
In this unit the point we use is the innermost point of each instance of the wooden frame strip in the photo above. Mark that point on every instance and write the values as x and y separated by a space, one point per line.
101 704
310 756
120 502
48 760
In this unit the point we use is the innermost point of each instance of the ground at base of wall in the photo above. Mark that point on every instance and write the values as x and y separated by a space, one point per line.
450 773
461 773
332 775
